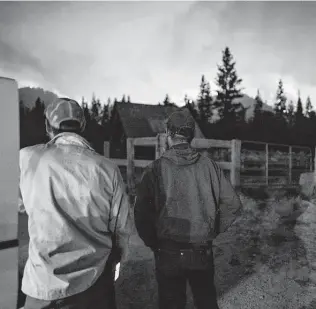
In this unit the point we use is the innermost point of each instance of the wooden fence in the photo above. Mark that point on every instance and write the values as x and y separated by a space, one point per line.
232 165
248 164
273 165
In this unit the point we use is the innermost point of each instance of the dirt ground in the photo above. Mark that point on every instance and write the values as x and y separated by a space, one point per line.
265 260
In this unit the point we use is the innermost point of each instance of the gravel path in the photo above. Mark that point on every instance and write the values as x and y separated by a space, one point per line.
258 265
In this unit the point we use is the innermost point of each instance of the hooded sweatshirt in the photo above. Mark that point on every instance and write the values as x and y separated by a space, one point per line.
184 197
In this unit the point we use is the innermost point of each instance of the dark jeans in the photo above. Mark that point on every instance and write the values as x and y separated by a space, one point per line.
99 296
176 267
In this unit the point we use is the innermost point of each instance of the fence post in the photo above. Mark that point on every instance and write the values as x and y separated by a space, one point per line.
267 165
235 163
160 148
290 165
106 149
130 164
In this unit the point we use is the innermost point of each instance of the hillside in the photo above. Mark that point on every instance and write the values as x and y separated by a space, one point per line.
247 101
29 95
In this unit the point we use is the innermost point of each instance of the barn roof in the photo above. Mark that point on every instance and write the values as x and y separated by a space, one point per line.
145 120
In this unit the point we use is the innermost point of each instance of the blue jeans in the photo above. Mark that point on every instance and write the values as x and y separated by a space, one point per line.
176 267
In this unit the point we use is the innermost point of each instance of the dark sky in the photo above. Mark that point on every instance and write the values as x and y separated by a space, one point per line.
148 49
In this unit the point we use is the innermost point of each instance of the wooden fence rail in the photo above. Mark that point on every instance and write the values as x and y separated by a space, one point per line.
235 164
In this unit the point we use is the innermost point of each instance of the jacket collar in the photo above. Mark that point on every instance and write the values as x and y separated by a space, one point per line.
183 145
68 138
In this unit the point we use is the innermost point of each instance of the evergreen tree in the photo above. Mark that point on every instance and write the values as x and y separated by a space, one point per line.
167 101
228 83
128 99
290 113
186 99
95 109
83 102
308 107
105 114
258 106
280 104
37 123
191 106
205 101
86 112
123 99
299 108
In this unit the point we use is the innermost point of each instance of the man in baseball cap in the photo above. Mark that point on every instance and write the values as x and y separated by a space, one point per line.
78 212
180 127
183 202
64 114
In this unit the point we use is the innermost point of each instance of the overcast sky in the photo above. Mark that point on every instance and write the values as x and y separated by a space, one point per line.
148 49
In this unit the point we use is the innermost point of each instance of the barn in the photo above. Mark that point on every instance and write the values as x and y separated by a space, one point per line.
132 120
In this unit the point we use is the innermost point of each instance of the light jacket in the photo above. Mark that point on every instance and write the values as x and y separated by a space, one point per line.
76 203
184 197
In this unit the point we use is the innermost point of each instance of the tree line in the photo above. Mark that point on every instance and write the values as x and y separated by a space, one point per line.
221 116
32 123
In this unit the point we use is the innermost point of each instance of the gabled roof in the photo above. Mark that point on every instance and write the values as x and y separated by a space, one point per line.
145 120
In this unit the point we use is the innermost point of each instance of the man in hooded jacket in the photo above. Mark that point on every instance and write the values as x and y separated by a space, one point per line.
183 202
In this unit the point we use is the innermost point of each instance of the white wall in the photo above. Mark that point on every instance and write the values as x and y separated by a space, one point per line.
9 173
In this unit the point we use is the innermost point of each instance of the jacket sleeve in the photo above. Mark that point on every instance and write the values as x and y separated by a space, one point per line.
120 223
229 204
144 209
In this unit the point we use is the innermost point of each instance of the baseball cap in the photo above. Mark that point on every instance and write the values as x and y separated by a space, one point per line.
181 122
64 109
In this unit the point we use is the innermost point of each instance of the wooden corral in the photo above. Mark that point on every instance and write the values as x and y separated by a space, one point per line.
247 164
232 166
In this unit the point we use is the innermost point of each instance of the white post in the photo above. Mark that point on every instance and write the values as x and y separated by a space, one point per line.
235 163
130 164
160 149
106 149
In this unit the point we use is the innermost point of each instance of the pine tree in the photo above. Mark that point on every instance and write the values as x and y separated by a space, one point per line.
228 82
128 99
167 101
258 106
205 101
280 104
83 102
308 107
105 114
123 99
290 114
191 106
37 120
299 107
95 108
86 111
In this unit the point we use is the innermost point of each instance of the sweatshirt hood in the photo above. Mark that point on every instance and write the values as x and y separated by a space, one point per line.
182 155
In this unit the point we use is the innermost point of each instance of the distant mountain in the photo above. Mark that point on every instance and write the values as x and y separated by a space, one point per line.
249 103
29 95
